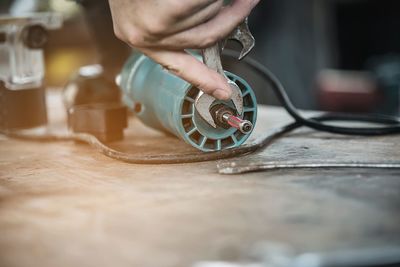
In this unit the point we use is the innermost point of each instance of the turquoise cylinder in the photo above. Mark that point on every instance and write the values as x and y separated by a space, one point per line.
165 102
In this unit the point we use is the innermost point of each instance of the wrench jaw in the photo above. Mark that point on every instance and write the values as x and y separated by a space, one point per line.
204 103
243 35
237 98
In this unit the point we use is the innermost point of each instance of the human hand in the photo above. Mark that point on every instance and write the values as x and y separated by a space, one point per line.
162 29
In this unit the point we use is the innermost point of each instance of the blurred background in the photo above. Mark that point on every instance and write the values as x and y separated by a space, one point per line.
330 55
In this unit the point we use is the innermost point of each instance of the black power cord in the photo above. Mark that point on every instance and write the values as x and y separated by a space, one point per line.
261 142
316 123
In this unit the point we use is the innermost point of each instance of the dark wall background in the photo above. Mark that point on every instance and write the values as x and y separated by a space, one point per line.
296 39
367 29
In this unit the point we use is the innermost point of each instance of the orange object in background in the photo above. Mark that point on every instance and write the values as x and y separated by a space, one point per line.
68 49
62 63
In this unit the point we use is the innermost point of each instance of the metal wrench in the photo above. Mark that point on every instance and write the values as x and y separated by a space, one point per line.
212 58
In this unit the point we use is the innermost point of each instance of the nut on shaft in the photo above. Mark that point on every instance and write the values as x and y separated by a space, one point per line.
244 126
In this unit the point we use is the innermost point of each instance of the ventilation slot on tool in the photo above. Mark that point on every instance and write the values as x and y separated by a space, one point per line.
229 138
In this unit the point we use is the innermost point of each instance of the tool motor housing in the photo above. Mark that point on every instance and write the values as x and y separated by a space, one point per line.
165 102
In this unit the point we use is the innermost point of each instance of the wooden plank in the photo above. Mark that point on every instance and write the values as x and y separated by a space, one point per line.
62 204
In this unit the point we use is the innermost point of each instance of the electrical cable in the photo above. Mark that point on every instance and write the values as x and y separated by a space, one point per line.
259 143
315 123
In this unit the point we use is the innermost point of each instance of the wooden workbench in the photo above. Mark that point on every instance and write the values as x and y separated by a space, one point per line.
63 204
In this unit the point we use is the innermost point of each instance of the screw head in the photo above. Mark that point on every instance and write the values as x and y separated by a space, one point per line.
35 36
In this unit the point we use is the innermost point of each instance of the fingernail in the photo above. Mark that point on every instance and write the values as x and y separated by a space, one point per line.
222 94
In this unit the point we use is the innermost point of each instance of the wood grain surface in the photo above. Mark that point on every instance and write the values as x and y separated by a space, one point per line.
62 204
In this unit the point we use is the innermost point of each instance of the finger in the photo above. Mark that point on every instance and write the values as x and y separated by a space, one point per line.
185 9
207 34
196 18
192 70
148 31
181 21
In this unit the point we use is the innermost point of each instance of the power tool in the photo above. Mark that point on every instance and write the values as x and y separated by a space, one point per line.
170 104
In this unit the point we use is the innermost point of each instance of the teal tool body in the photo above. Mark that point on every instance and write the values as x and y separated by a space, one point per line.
170 104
